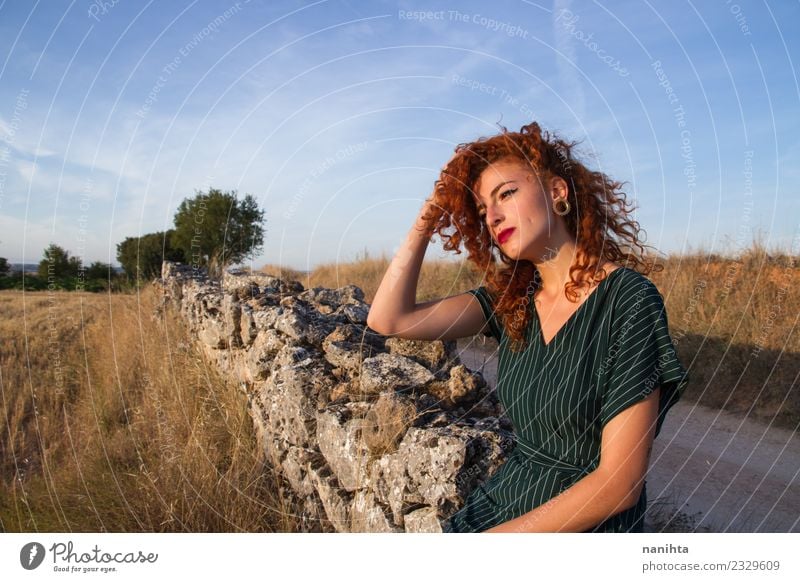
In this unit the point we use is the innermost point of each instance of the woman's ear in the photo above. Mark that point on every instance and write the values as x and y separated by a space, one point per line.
558 187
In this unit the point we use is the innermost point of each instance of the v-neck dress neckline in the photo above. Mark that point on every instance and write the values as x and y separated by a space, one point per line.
537 327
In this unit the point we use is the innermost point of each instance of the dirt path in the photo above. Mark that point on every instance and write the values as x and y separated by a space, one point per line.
709 471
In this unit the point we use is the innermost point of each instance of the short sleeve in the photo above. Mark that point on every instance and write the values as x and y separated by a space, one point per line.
495 329
641 355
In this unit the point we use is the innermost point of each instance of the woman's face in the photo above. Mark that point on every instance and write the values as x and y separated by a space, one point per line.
516 206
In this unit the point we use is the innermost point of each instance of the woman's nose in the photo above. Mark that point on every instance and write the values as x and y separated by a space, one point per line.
493 215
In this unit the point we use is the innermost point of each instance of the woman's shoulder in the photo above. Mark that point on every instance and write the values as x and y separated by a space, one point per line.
632 290
630 279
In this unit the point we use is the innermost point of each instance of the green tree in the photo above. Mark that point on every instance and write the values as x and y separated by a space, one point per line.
4 267
98 270
57 263
216 229
141 256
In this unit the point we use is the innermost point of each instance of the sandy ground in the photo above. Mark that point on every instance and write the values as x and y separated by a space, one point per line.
710 471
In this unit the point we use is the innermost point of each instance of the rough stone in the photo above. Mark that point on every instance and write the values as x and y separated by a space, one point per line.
423 520
391 371
339 438
434 355
367 515
336 502
363 432
387 422
348 345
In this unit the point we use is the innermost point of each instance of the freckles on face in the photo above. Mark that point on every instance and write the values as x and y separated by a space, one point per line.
511 195
508 191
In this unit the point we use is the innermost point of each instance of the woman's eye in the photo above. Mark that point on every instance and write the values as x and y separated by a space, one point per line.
503 195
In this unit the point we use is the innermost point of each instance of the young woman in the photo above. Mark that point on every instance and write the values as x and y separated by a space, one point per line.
587 369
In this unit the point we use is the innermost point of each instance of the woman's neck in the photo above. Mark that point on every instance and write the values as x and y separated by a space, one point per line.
554 268
554 271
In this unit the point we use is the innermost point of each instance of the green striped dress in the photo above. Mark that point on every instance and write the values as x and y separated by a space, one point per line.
611 353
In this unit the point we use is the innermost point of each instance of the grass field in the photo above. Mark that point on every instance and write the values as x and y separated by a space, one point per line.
114 421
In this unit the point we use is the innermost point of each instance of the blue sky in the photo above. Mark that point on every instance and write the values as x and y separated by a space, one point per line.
338 115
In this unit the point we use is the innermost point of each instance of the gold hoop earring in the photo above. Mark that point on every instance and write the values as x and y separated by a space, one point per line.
565 208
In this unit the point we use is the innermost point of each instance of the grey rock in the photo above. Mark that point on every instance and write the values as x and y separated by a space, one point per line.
339 438
367 515
434 355
387 421
387 370
336 501
348 345
423 520
260 358
303 323
355 313
295 468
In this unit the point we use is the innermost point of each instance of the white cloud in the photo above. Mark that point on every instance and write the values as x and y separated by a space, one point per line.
26 170
14 138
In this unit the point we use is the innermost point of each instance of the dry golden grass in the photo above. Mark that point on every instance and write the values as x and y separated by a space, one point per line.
282 272
114 422
734 321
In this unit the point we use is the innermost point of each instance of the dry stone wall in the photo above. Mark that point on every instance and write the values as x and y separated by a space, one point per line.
367 433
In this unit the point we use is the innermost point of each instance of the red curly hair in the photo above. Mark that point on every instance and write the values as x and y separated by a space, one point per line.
600 223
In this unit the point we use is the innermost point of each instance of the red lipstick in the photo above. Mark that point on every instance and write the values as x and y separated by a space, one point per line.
505 234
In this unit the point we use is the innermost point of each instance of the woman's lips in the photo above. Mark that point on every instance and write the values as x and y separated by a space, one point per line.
504 235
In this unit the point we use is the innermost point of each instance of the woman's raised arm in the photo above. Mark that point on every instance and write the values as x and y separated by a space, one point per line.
394 310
